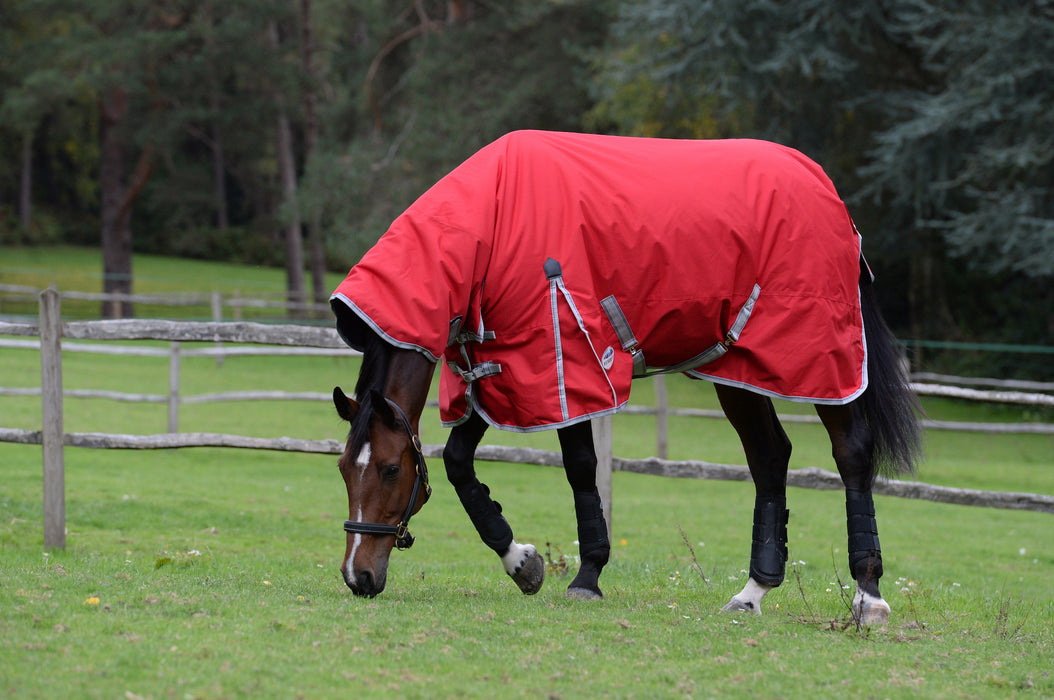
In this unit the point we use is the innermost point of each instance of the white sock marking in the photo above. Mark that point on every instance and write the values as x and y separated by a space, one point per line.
869 609
516 556
752 594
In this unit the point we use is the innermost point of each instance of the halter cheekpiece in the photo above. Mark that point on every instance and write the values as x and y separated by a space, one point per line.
403 538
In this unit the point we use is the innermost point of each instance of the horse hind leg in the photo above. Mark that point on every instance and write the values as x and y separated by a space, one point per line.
768 451
853 450
521 561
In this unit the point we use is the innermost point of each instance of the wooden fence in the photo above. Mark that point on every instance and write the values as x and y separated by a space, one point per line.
53 439
215 301
176 398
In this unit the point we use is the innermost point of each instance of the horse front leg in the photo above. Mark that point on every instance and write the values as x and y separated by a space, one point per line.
580 465
768 451
521 561
853 449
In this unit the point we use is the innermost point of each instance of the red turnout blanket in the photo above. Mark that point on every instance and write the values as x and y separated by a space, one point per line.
549 269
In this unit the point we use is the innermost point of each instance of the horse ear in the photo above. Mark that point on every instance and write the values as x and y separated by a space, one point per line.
346 408
382 409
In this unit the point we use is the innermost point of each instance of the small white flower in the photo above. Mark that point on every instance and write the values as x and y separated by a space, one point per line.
1021 551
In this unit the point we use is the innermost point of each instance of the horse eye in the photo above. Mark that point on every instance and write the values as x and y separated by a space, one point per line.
390 473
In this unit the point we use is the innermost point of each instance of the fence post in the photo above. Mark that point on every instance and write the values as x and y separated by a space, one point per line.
217 316
173 388
602 431
51 434
662 418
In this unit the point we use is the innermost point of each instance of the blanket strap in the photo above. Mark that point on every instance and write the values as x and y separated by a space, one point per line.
630 344
483 369
625 334
462 337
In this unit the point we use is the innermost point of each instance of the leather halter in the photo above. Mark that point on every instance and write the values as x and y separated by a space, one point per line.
403 539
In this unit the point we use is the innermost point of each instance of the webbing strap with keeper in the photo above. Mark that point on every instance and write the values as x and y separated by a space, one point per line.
478 371
629 342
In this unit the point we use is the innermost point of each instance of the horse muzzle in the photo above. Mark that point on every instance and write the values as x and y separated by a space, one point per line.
365 583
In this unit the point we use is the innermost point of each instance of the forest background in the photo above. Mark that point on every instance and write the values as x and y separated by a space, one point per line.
291 132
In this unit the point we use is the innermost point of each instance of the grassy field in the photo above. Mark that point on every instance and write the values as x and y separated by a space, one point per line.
211 573
80 269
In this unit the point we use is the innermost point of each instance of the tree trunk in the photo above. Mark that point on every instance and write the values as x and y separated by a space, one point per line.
294 261
219 165
316 245
931 315
25 195
294 254
116 228
219 172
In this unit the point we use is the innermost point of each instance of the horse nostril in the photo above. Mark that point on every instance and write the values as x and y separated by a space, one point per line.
364 582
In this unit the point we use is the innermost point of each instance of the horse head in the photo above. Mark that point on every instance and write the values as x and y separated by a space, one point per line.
387 482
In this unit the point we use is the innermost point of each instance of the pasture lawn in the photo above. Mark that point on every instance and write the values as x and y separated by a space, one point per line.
214 573
73 268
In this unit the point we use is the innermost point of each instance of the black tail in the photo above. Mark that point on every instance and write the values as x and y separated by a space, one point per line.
889 406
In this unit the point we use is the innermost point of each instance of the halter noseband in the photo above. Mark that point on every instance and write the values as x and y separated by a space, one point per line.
403 539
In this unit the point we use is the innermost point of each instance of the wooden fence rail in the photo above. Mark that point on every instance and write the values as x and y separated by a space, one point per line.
806 477
215 301
662 410
53 439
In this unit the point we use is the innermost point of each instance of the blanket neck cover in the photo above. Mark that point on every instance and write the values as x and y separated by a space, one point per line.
549 269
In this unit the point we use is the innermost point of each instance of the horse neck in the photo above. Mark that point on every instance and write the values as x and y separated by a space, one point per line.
409 378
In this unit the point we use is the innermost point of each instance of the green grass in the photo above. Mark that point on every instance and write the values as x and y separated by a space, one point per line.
212 573
72 268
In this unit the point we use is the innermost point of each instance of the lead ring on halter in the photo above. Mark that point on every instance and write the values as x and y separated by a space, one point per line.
403 538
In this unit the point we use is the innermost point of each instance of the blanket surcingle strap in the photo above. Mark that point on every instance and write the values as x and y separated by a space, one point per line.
630 344
553 264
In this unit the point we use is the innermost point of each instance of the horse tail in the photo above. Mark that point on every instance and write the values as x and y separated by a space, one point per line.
889 406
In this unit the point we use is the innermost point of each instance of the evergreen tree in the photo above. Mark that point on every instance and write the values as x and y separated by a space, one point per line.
926 115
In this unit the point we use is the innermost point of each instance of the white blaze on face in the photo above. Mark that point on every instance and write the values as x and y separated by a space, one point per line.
364 459
362 462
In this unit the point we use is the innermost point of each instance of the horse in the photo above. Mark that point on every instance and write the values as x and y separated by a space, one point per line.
550 270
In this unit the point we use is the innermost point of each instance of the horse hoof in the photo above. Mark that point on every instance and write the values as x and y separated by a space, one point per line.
737 605
870 612
575 593
531 574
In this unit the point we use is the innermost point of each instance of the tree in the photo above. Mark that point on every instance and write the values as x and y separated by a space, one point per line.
979 143
28 94
443 80
925 114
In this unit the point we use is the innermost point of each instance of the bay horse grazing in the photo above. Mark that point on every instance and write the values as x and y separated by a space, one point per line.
549 270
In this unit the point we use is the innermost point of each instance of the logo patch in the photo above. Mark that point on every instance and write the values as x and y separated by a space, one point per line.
608 359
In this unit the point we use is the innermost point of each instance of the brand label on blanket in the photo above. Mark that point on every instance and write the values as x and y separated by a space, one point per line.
608 359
